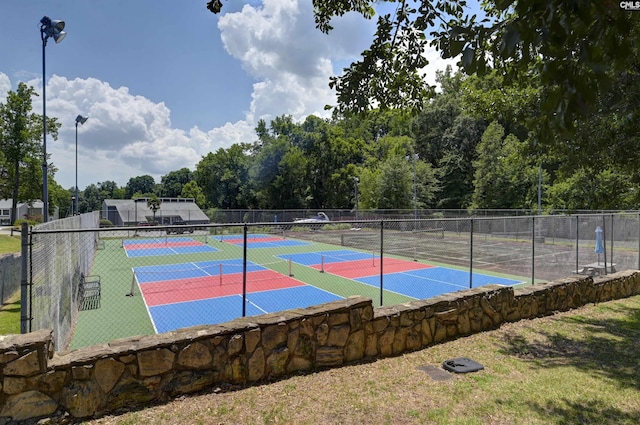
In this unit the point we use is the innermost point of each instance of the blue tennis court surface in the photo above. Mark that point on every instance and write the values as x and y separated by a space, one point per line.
259 240
276 244
314 258
413 279
170 317
434 281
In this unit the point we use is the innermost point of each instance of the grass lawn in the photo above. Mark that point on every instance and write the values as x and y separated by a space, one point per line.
10 316
10 312
578 367
9 244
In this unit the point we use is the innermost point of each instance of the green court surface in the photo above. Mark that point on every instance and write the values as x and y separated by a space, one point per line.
123 313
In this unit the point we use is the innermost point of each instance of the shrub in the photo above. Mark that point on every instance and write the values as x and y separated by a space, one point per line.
30 222
105 223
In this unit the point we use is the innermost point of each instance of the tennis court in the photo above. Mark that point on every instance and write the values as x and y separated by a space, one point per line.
258 240
164 246
158 291
410 278
209 292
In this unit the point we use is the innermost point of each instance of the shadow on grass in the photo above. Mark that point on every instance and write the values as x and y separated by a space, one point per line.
584 412
605 347
11 307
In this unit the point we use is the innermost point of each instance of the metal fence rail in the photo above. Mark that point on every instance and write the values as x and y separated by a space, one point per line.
140 274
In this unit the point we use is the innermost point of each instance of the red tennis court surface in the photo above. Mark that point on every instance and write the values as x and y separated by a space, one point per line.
240 240
161 244
363 268
199 288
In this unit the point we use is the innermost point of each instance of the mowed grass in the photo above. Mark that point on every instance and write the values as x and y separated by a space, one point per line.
9 244
578 367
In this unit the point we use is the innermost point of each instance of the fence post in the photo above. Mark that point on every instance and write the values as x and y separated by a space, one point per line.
604 242
244 272
533 250
577 242
611 255
25 318
381 260
471 255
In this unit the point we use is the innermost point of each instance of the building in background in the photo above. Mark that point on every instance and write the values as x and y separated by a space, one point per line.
24 210
131 212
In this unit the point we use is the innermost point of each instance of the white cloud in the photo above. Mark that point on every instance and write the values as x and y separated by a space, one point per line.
128 135
278 44
5 86
436 63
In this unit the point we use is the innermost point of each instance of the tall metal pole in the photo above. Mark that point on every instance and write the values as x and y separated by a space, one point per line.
48 29
79 120
45 177
75 211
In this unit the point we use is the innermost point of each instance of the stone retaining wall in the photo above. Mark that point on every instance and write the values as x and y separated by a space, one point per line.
38 382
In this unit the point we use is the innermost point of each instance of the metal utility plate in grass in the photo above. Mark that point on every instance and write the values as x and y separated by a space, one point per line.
436 373
462 365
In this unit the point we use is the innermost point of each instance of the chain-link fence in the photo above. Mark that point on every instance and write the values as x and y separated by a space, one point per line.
94 285
223 216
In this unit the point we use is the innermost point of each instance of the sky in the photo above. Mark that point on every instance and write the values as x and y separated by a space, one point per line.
166 82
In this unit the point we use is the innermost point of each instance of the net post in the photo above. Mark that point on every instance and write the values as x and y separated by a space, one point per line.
322 264
290 273
220 274
373 258
133 285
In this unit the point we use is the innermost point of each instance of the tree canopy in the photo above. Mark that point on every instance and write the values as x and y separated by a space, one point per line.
21 159
573 48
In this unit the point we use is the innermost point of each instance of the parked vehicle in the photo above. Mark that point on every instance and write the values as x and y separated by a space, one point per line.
181 227
316 222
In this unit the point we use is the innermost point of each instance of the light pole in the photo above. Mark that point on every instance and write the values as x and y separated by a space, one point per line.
355 183
79 119
48 28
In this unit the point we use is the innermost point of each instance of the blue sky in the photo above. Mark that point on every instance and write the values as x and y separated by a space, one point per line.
165 82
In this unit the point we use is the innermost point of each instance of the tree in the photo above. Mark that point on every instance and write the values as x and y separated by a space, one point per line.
396 184
154 205
224 179
504 178
173 182
61 197
144 185
192 190
20 132
586 189
91 199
